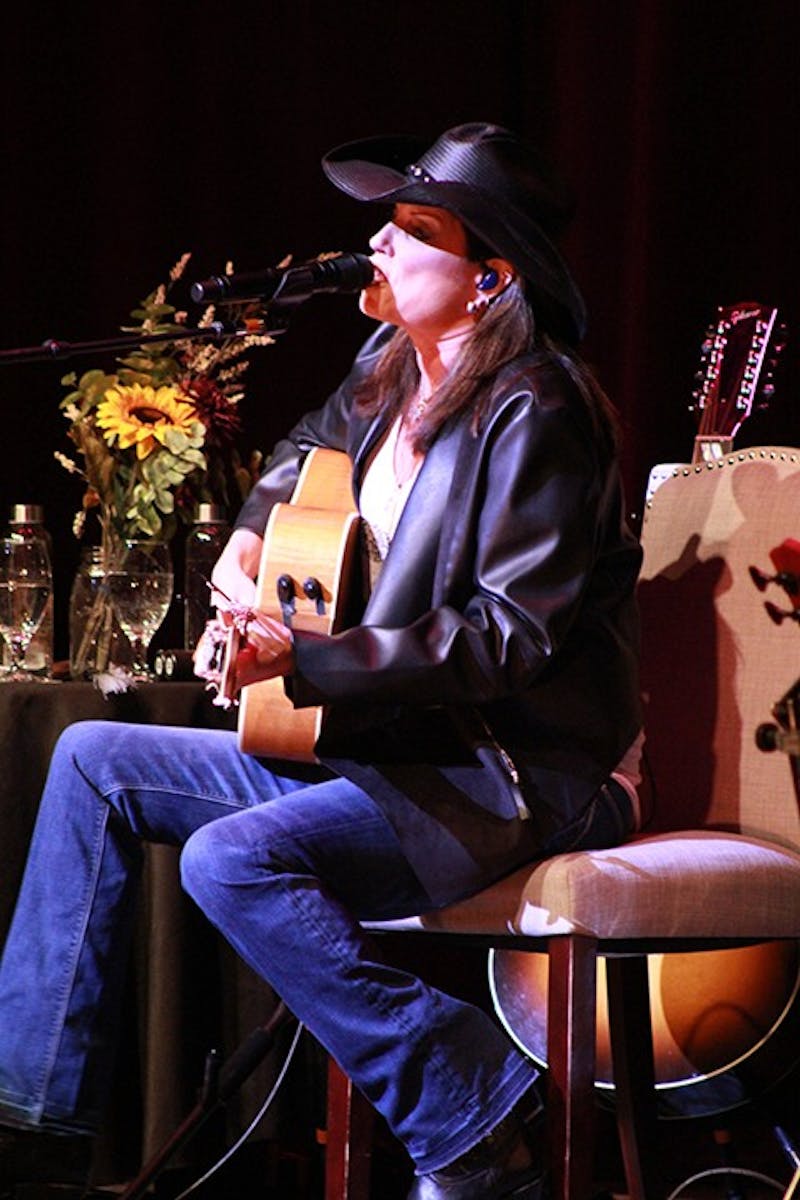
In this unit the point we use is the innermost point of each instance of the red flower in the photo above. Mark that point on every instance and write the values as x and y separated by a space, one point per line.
217 412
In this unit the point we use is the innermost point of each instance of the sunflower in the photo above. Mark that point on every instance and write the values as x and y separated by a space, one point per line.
133 415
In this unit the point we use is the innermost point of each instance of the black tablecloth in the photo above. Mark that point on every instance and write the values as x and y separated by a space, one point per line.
188 992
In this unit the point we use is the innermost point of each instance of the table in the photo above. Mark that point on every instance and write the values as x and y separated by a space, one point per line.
188 992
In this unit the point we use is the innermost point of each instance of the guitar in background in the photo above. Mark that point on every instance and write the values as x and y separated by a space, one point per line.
717 1016
738 358
737 361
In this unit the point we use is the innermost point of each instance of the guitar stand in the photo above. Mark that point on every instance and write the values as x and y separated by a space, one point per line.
219 1084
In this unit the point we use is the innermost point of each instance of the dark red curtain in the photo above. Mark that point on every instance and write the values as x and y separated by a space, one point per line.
131 133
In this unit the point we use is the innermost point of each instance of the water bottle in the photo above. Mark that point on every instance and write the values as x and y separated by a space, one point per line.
204 545
27 520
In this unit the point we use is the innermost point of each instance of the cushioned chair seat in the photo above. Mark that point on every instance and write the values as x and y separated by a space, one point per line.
679 885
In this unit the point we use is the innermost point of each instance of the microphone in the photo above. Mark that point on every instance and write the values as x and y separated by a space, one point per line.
342 273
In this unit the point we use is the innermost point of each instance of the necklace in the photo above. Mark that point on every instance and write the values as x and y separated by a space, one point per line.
417 408
418 411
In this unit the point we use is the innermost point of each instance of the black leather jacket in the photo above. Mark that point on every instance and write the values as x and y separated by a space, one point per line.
501 639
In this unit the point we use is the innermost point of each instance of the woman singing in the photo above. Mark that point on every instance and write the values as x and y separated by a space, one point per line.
483 712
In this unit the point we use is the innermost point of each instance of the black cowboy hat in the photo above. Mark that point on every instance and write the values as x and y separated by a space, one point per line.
495 184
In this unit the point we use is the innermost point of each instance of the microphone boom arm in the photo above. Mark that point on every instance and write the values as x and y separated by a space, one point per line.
216 331
274 293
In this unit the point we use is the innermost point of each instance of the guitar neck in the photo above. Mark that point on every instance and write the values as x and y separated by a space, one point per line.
711 447
737 357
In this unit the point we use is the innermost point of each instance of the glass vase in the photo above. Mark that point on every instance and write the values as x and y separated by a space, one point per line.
97 642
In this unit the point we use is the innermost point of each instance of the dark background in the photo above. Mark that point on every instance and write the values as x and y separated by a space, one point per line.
134 132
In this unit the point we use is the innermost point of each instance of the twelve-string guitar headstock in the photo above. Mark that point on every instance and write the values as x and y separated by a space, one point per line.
738 358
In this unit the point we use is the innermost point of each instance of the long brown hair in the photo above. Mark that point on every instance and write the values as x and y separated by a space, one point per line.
506 330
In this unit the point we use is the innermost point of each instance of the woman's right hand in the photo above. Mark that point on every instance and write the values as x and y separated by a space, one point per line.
233 577
233 591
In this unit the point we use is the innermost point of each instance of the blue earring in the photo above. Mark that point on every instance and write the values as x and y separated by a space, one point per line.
488 280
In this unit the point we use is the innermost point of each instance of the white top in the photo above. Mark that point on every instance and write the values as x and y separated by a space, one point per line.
383 499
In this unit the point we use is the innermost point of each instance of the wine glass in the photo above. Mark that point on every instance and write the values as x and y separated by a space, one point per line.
25 586
140 585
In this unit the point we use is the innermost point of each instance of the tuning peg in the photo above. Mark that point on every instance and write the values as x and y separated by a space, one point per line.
779 615
767 737
771 737
785 579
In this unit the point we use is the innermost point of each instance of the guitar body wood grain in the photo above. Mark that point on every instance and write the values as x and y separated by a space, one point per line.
308 566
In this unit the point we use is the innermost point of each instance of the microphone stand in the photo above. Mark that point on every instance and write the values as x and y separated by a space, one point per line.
269 325
220 1082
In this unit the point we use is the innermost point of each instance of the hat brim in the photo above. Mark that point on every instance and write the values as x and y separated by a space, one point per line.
375 170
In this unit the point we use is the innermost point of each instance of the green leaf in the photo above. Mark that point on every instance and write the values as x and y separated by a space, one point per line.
176 441
92 379
138 361
128 377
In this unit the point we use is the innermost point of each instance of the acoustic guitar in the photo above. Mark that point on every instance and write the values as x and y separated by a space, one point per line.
307 576
726 1023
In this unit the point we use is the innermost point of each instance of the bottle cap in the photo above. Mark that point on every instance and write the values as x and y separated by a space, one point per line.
27 514
210 514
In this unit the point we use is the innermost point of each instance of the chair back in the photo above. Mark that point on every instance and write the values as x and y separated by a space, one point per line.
714 662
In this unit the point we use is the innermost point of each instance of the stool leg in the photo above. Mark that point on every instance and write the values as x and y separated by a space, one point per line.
348 1147
571 1026
631 1035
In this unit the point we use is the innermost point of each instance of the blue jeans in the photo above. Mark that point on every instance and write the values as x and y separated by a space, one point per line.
286 868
